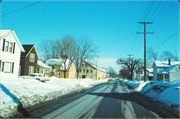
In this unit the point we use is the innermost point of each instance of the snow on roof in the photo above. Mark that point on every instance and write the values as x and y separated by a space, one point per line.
4 33
98 68
149 69
168 69
165 63
40 63
59 62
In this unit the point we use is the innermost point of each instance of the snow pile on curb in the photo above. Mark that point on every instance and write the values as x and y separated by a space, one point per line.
165 93
25 93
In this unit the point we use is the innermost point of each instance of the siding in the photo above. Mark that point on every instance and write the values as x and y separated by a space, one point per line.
25 63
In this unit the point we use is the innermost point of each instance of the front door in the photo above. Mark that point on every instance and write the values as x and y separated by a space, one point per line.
83 76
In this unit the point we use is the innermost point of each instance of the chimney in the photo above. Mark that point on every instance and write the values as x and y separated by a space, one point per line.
169 62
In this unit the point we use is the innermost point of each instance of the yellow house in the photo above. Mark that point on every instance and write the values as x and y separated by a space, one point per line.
88 70
59 69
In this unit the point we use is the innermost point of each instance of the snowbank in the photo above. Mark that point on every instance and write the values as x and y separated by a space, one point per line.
165 93
21 92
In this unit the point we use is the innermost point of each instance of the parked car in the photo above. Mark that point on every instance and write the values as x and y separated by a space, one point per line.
37 76
109 79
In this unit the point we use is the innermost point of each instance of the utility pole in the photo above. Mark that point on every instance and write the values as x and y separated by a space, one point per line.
145 23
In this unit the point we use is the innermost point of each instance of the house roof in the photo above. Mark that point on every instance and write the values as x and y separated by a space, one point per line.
98 68
28 49
168 69
59 62
41 64
4 33
165 63
149 69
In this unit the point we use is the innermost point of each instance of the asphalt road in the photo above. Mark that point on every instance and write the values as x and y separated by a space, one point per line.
112 100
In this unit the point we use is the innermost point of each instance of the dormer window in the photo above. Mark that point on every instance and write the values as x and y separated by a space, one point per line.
32 57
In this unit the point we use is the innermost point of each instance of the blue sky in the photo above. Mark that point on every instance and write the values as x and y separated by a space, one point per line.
111 25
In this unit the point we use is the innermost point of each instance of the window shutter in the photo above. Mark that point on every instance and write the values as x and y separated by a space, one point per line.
14 48
4 41
12 67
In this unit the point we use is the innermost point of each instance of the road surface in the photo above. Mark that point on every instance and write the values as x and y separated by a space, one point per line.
112 100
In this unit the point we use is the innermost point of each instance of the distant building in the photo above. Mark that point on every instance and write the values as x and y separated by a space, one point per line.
88 70
59 69
10 51
166 71
140 74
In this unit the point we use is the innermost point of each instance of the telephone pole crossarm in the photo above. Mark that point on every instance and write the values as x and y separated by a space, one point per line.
143 32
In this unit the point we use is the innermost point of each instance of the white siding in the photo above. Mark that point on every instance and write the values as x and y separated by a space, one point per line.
10 57
154 73
174 75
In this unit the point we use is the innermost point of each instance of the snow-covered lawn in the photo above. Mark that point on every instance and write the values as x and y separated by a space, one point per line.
166 93
29 92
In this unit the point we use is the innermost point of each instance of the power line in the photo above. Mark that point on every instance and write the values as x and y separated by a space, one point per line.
164 16
155 10
159 11
166 40
21 8
116 40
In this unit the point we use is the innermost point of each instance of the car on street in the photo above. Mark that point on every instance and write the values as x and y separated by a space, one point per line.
36 76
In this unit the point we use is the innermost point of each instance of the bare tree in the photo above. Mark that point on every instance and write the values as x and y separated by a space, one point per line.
151 54
65 48
130 64
84 50
111 72
47 48
166 55
124 73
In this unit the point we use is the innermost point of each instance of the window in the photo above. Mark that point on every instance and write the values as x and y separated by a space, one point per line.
2 67
31 70
91 70
6 46
59 74
87 71
7 67
52 66
80 70
41 71
141 72
37 70
73 74
82 65
166 76
10 47
32 57
83 70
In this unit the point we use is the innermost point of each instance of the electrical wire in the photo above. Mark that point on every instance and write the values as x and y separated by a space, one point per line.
21 9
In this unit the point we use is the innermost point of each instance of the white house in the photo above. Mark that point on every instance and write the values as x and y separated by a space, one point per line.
140 74
166 71
10 50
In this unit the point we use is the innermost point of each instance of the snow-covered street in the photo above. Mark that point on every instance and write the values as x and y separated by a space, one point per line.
26 93
29 92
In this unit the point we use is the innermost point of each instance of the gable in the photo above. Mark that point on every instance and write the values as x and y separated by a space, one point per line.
29 49
5 33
